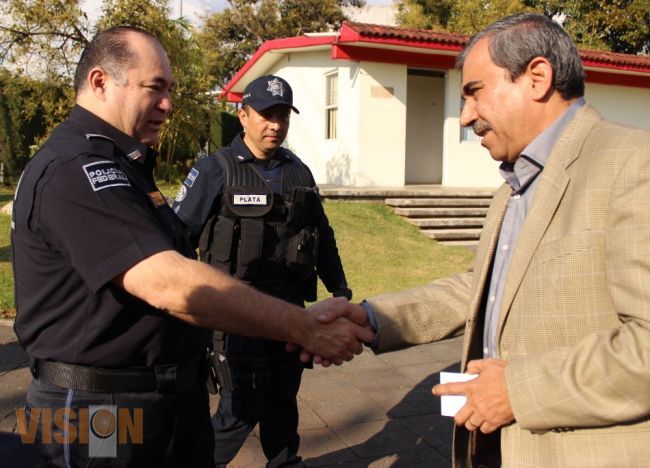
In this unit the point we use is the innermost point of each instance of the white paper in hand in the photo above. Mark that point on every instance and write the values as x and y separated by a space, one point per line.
450 404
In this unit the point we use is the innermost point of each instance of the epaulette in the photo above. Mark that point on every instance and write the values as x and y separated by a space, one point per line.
101 143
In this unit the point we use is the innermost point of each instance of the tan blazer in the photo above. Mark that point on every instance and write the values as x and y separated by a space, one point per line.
575 320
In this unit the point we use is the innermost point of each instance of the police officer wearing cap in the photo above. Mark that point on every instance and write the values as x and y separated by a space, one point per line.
254 211
111 307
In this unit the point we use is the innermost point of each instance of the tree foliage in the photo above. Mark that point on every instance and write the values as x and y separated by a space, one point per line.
610 25
232 36
425 14
26 109
41 40
186 129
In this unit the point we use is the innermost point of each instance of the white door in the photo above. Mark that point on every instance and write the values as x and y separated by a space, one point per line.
424 121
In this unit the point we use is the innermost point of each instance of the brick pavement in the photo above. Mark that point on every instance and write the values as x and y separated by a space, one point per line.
375 411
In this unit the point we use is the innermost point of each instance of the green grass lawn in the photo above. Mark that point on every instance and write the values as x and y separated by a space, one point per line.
6 274
380 251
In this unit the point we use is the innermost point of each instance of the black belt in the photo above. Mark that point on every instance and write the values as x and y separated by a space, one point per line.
166 378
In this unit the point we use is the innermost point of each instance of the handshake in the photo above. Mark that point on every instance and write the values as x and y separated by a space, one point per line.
334 330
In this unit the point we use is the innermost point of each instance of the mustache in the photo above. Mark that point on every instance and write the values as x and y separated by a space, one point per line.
480 127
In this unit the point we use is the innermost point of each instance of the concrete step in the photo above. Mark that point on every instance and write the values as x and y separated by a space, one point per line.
408 191
441 212
450 215
438 202
464 243
452 234
424 223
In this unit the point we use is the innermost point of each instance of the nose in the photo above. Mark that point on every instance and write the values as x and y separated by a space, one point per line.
165 104
468 113
274 123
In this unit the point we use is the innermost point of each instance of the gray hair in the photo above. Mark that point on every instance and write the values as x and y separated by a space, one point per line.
516 40
110 50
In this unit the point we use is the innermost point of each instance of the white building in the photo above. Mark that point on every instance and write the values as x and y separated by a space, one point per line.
380 105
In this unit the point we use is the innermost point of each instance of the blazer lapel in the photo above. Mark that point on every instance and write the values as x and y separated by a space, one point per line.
554 180
488 244
482 263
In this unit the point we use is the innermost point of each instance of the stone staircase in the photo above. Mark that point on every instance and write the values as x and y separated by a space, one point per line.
451 216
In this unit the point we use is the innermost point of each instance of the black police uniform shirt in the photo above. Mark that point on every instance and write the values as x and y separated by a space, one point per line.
80 220
200 195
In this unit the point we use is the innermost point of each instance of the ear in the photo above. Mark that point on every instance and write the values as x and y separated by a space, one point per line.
97 82
540 72
243 118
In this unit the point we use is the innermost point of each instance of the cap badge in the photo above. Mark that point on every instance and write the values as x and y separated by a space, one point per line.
275 87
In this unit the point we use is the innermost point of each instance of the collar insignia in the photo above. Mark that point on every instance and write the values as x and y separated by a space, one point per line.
157 198
135 155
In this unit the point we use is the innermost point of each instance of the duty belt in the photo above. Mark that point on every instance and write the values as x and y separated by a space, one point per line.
166 378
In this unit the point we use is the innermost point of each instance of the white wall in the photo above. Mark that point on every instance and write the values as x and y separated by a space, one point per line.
465 164
370 147
331 161
382 124
629 106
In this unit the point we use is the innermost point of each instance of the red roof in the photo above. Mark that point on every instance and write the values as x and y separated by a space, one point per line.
422 48
415 36
383 33
610 59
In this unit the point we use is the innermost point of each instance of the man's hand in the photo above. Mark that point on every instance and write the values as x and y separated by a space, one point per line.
488 404
353 312
335 332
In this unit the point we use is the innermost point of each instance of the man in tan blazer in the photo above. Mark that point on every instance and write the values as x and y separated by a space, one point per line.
556 311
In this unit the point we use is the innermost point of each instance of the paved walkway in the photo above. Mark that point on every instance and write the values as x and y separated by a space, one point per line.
375 411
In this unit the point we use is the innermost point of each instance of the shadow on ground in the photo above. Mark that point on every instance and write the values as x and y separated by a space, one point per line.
415 435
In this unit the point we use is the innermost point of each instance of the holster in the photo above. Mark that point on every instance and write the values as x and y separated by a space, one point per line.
219 375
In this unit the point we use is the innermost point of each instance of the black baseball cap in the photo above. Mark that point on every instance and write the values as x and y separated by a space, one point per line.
267 91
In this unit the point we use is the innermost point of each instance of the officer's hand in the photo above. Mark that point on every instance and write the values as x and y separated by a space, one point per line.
354 312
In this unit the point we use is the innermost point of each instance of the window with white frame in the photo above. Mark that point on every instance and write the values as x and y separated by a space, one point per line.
467 133
331 104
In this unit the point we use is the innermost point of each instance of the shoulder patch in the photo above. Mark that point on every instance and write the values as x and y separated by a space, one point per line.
105 174
191 177
181 194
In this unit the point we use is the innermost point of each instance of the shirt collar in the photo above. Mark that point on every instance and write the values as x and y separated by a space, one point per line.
533 158
244 154
91 124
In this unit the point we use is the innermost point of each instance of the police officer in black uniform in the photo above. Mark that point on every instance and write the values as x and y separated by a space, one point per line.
107 294
255 213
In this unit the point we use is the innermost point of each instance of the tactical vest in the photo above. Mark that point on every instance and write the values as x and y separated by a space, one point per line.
265 239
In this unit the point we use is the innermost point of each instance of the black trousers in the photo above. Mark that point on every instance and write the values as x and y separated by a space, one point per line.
272 404
150 430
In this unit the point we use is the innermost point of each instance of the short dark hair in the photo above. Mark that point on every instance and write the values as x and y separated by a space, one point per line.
516 40
110 50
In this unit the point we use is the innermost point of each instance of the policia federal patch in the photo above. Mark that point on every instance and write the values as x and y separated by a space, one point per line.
105 174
